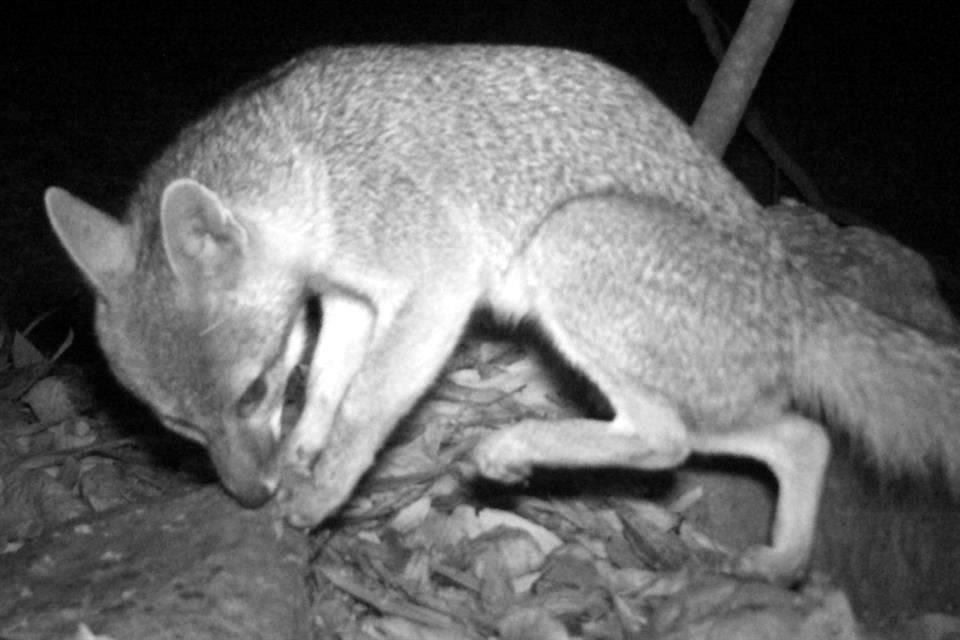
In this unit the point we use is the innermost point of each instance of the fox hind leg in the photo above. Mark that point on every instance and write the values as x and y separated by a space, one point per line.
646 433
797 451
642 323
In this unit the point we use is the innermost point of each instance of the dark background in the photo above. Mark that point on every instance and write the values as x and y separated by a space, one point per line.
861 93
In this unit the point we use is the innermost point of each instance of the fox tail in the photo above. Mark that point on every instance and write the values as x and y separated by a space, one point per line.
893 388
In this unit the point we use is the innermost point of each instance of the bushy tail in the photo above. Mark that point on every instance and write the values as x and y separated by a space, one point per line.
895 389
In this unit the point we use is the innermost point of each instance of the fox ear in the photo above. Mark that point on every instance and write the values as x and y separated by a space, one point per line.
101 246
202 238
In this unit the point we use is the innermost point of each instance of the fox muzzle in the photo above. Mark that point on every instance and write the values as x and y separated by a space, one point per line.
246 462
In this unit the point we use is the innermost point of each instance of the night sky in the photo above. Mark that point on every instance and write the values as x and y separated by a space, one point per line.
862 94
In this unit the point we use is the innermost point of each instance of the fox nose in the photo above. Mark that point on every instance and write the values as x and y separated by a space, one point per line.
255 493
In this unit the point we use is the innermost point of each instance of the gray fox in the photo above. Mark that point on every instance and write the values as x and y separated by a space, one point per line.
406 186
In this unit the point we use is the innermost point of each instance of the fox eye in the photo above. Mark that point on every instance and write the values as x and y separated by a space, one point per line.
252 397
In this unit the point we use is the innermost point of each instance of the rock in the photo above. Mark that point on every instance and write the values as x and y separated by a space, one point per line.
864 264
196 566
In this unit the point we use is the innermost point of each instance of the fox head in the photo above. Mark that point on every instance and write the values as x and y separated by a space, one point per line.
197 318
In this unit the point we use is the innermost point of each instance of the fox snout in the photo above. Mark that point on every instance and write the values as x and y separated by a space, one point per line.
246 460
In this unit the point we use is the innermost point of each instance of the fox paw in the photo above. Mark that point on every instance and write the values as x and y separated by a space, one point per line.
503 457
304 500
769 564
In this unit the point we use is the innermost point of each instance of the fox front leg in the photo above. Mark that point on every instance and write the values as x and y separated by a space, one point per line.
406 353
344 340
